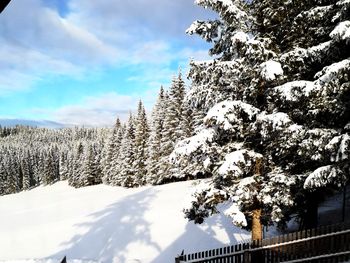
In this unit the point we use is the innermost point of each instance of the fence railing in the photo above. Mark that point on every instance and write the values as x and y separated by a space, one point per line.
323 244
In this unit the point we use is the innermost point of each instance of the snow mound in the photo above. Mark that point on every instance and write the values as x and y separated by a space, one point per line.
106 224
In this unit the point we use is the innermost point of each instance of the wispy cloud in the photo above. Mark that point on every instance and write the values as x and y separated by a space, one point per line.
145 37
39 42
100 110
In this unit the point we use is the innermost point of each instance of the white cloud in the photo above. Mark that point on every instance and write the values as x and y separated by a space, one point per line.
30 25
39 42
144 36
100 110
125 20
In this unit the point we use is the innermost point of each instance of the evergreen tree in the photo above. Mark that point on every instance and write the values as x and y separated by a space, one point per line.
63 166
89 171
49 175
277 108
187 121
111 153
126 159
77 160
172 127
26 171
173 116
141 139
156 137
3 180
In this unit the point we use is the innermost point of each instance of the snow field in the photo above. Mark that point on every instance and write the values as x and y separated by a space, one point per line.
106 224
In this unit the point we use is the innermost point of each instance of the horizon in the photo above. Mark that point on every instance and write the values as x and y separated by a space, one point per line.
86 63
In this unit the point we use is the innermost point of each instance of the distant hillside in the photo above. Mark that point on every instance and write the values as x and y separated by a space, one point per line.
33 123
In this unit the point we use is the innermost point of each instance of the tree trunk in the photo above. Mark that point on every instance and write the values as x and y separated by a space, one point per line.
256 225
256 213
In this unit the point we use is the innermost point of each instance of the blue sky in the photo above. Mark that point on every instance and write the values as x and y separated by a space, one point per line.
84 62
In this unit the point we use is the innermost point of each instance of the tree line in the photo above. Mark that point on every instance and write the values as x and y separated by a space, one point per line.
130 154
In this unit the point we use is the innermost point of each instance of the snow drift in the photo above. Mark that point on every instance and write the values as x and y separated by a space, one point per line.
106 224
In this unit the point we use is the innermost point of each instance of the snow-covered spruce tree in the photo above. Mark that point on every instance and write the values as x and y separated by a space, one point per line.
277 100
76 166
187 121
126 158
111 153
89 169
27 171
3 179
172 127
155 137
141 140
173 116
47 175
64 165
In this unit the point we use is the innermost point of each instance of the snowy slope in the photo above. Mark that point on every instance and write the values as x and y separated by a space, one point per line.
105 224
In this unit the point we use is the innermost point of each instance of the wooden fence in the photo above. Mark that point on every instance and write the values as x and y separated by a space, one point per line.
323 244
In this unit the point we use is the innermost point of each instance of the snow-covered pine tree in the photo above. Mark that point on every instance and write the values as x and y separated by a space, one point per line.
63 165
172 126
15 177
98 157
89 173
277 97
111 153
141 140
187 121
155 137
48 175
126 159
3 178
76 169
26 171
173 116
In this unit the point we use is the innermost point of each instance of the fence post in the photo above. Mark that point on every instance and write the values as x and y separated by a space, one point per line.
247 253
180 258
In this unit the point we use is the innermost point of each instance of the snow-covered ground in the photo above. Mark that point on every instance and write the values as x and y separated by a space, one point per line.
106 224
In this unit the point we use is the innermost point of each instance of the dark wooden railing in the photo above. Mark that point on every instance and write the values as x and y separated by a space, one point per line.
323 244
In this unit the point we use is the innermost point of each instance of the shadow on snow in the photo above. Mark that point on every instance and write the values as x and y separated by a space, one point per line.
111 230
198 238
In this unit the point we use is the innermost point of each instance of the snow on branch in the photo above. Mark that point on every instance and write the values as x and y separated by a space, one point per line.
267 123
339 148
226 8
270 70
314 143
292 91
238 218
238 163
332 73
329 81
323 176
341 31
276 192
230 115
199 142
208 30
